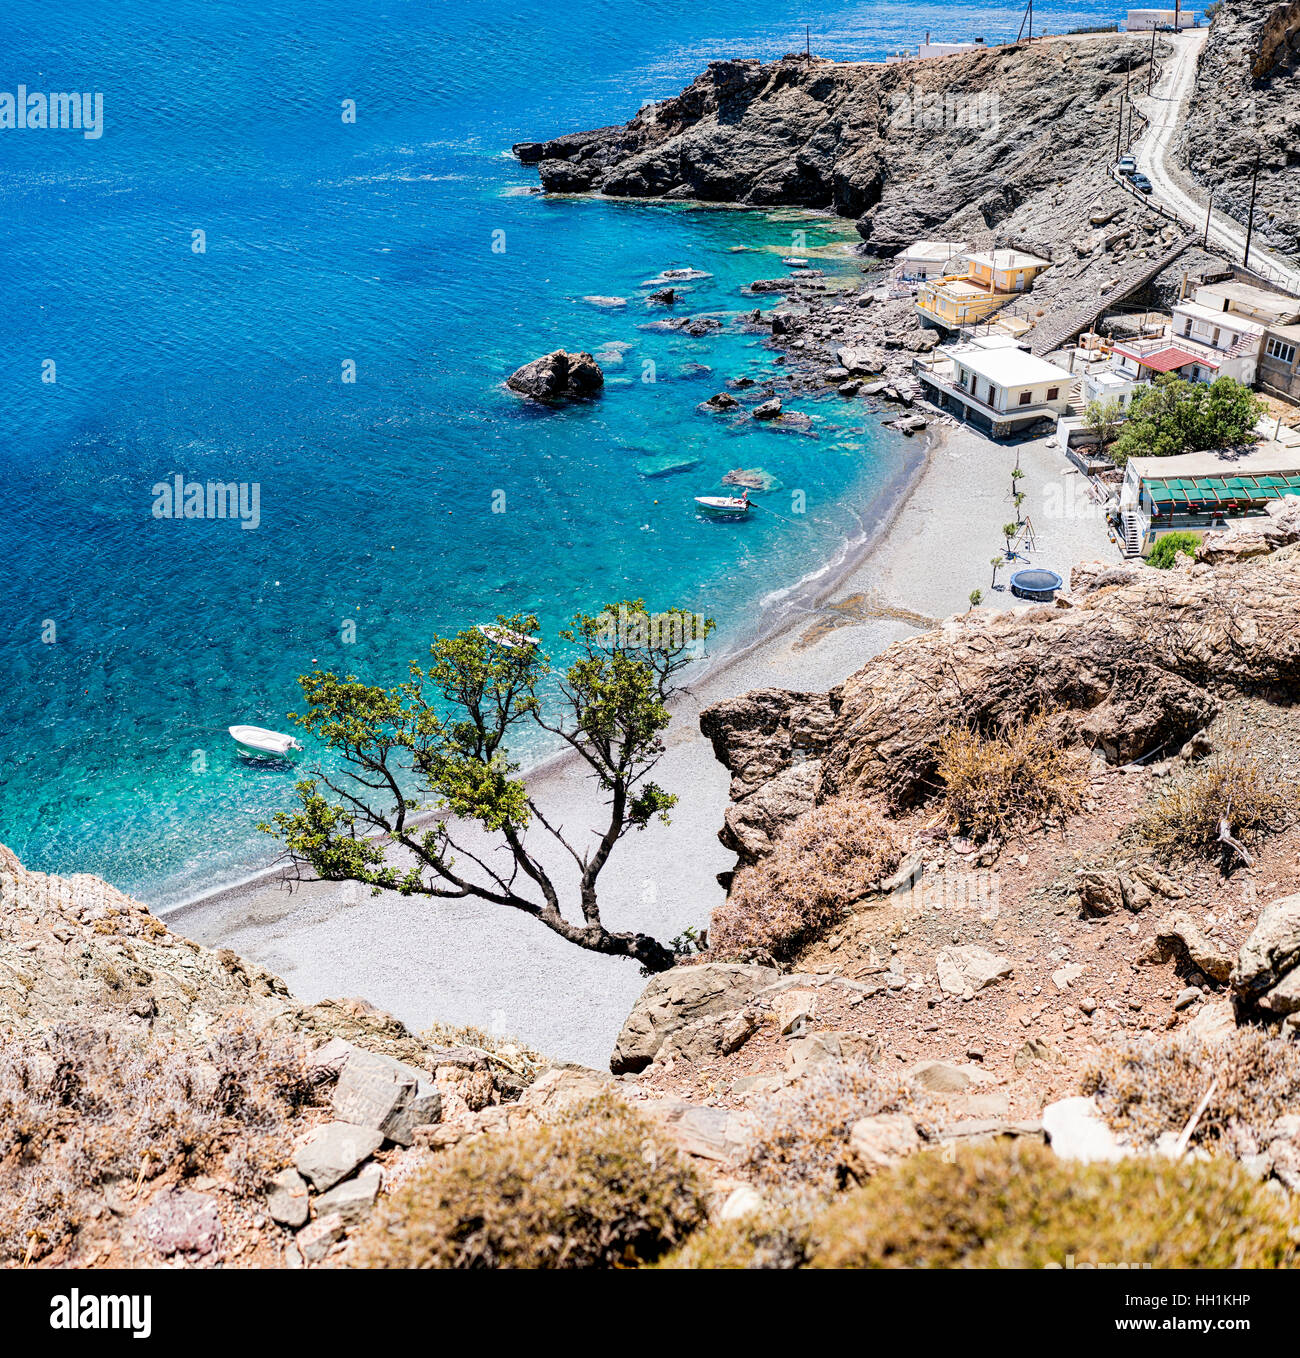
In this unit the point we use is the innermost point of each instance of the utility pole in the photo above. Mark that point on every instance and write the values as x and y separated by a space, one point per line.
1250 220
1209 208
1119 130
807 36
1129 143
1151 73
1031 20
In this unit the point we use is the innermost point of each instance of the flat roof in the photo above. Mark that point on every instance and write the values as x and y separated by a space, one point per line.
932 249
1252 296
1010 367
1007 259
1286 332
1229 320
1268 459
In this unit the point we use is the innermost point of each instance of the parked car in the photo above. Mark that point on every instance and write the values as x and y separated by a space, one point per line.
1140 182
1126 165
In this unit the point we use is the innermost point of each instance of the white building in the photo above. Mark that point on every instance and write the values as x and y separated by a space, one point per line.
1144 20
996 384
929 49
928 258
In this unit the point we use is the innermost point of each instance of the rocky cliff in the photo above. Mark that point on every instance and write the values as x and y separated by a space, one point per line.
1246 105
937 148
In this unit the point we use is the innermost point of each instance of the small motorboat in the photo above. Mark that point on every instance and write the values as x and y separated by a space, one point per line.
263 744
724 506
794 262
506 636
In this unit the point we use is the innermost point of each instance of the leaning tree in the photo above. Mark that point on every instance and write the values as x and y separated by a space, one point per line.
423 762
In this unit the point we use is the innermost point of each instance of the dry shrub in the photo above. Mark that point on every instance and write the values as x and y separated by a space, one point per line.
998 783
81 1107
509 1053
1144 1090
801 1135
830 858
595 1190
1018 1206
777 1240
1232 782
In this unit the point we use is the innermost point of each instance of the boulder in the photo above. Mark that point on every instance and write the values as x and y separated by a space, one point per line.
855 359
331 1152
558 376
1076 1131
675 998
316 1241
769 410
964 970
353 1198
179 1221
877 1142
724 400
564 1089
379 1092
1179 934
938 1077
287 1201
1271 951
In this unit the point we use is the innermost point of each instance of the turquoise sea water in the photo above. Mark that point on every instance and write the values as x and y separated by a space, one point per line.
131 642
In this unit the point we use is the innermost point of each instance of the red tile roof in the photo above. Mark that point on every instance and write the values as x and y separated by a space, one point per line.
1166 360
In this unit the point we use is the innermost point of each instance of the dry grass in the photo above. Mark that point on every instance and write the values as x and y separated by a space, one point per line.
595 1190
1233 783
1018 1206
1144 1090
509 1053
777 1240
999 783
831 858
801 1137
80 1108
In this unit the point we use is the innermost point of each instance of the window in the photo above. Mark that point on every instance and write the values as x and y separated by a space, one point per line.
1053 393
1279 349
1187 327
1026 397
1214 339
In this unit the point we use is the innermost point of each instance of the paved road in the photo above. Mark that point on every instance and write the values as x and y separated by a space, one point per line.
1157 158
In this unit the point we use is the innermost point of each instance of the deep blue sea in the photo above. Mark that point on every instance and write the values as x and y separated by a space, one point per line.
130 641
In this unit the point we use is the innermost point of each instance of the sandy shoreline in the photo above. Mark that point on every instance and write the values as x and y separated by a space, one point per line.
476 963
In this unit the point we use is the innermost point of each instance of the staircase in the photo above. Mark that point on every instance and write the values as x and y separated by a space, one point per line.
1077 403
1052 332
1132 534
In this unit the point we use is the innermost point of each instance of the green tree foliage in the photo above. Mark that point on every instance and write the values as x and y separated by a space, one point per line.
1173 416
1169 546
1103 418
428 760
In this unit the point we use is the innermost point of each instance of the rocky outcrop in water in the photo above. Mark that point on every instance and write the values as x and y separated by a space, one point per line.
908 150
558 376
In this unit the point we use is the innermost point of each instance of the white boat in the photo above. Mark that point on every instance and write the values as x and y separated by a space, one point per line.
724 506
794 262
506 636
257 740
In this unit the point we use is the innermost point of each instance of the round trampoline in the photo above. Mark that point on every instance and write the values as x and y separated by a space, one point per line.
1036 583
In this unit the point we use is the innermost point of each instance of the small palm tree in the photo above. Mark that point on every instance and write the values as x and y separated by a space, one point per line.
1009 531
1019 498
1016 476
997 563
975 597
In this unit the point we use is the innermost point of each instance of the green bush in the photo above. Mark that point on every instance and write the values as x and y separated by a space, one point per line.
594 1190
1167 549
1018 1206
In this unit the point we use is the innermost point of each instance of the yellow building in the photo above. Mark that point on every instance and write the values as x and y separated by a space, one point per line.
989 280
